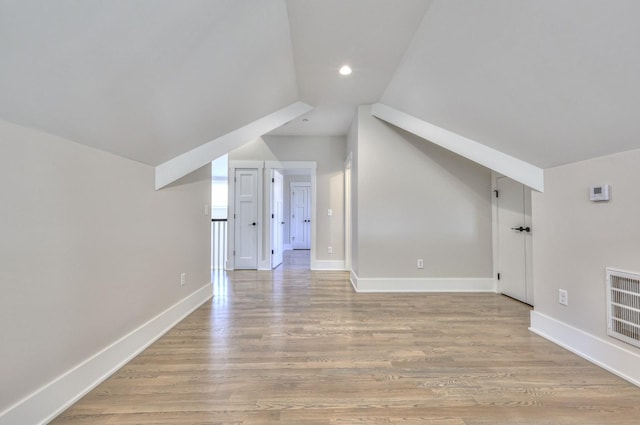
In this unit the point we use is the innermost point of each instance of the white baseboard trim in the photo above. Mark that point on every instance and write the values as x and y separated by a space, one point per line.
611 357
328 265
353 278
454 284
46 403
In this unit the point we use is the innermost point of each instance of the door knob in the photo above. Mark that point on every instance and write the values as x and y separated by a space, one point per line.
522 229
253 224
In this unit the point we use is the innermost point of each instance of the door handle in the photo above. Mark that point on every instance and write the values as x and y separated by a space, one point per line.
522 229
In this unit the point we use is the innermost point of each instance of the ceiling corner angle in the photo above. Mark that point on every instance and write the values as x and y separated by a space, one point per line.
517 169
181 165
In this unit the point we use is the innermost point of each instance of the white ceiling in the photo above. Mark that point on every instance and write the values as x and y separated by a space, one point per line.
545 81
549 82
145 79
369 35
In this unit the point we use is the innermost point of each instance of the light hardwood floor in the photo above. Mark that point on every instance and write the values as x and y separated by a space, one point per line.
299 259
300 347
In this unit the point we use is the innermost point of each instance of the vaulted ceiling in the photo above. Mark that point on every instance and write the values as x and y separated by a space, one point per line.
546 81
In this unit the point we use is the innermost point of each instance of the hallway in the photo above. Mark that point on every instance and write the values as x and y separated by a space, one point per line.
298 259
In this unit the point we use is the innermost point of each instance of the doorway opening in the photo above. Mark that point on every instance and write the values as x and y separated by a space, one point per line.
291 224
265 226
219 206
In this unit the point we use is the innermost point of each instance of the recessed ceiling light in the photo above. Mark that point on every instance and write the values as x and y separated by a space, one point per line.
345 70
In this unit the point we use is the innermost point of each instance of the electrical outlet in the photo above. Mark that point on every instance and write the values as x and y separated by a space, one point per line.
329 250
420 263
563 297
183 279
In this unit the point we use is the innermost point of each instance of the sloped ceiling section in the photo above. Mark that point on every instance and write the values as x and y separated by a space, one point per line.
495 160
369 35
181 165
544 81
147 80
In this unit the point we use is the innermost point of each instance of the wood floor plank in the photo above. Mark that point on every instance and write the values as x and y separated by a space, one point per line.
300 347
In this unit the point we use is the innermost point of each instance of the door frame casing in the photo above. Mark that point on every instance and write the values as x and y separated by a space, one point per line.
231 222
348 164
272 229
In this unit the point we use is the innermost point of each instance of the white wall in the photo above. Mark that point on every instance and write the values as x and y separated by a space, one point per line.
417 200
575 239
329 154
89 252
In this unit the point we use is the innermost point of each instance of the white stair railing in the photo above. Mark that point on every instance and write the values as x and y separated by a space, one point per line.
218 243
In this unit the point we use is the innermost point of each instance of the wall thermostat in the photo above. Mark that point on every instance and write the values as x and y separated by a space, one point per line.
599 193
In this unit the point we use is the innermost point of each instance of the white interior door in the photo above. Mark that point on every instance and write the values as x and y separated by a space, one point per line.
300 216
514 239
246 219
277 219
